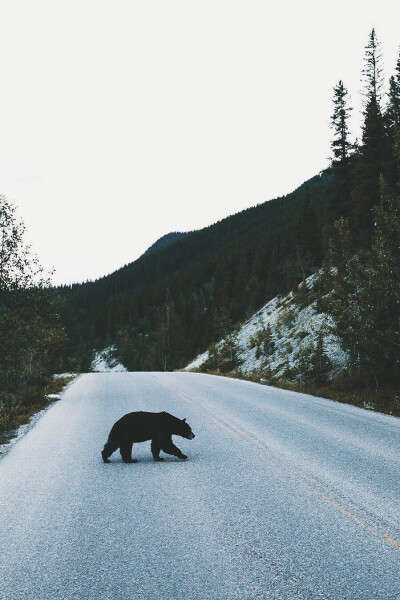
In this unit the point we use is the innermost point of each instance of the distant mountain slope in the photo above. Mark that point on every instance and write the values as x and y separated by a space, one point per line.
165 308
165 241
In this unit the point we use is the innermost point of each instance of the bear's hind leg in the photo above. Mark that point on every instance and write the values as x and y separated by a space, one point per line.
155 450
126 453
108 449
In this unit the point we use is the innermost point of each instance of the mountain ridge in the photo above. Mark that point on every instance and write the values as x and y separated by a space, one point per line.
165 240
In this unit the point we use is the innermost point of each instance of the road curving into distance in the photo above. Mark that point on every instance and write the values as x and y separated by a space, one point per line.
284 496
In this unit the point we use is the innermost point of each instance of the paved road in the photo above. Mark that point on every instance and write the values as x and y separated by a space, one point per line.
284 496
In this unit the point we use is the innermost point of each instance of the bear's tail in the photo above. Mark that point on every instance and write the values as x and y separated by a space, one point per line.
109 447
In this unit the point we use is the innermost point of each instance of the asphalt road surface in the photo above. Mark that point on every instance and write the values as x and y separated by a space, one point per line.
284 496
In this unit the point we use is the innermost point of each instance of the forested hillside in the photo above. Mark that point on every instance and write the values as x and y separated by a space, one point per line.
168 305
171 304
339 335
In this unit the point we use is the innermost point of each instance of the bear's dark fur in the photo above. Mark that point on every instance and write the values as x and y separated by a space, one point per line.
141 426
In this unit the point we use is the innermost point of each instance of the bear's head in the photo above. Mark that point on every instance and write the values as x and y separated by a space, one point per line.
185 430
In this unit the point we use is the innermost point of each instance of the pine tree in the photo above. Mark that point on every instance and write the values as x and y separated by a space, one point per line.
373 70
320 362
309 247
392 123
396 159
384 285
133 346
342 289
374 148
361 293
221 324
228 355
341 149
263 341
341 146
393 108
167 345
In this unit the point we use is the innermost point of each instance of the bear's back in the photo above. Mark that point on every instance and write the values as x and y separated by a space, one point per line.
141 425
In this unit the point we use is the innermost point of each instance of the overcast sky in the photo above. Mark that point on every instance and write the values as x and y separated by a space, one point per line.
121 121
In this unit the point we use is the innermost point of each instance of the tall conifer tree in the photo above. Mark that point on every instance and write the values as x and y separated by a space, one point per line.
393 108
341 149
309 248
373 149
392 122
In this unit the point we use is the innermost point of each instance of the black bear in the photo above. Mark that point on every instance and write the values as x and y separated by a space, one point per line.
141 426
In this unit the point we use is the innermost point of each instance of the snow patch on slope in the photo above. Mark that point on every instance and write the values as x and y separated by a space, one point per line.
294 332
107 361
196 364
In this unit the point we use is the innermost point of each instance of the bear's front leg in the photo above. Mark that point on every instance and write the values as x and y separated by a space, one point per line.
155 450
170 448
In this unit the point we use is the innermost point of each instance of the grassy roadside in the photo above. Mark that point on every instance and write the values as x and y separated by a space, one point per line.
386 401
31 401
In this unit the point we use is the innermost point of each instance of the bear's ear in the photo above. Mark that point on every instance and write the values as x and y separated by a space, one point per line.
184 420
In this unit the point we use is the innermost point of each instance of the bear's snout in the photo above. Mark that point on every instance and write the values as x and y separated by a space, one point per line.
191 435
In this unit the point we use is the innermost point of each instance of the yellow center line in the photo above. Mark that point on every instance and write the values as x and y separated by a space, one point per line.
222 425
234 430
